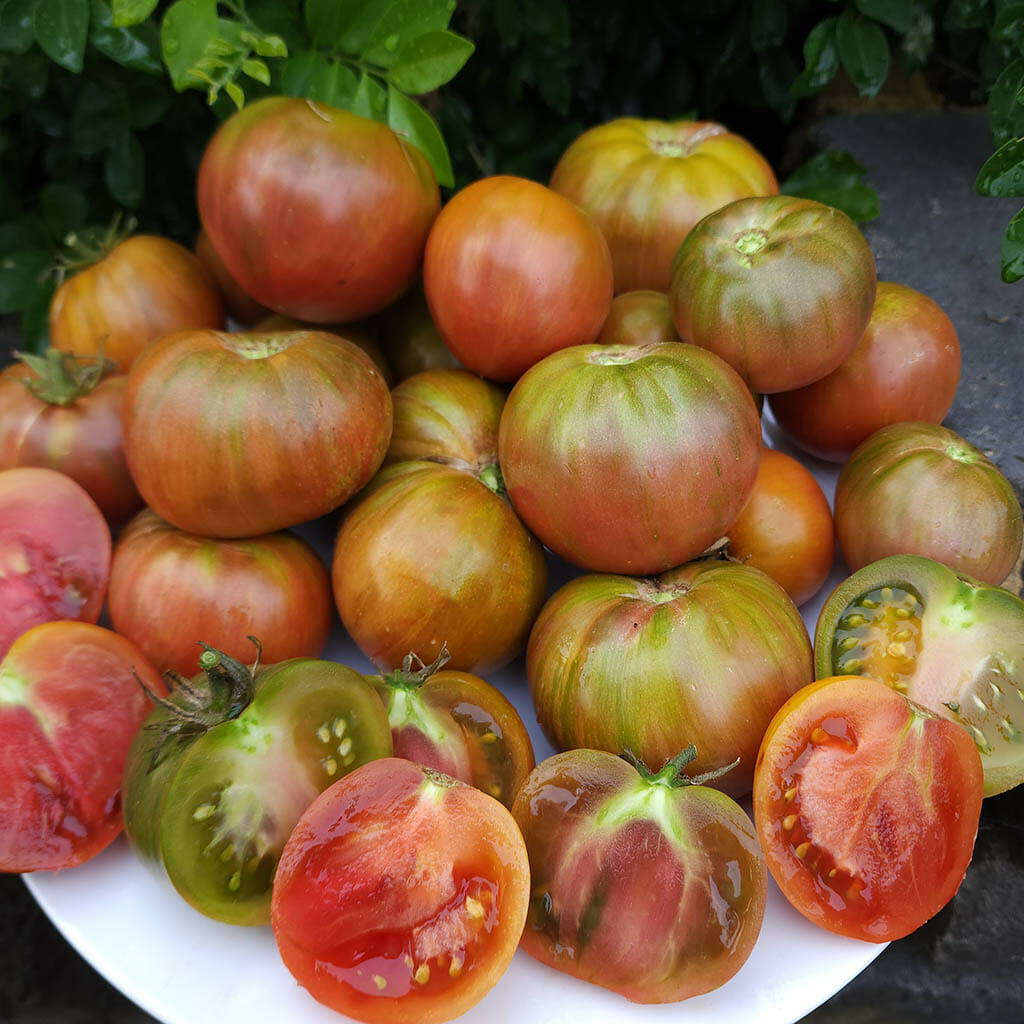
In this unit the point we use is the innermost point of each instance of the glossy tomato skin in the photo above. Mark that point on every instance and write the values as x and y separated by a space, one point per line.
705 653
233 435
243 308
905 368
401 895
409 338
629 458
54 552
144 288
641 317
653 891
335 211
921 489
647 183
879 854
513 272
70 708
945 640
779 287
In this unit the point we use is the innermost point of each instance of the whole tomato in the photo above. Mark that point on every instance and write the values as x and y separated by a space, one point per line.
140 290
513 272
232 435
906 367
242 308
640 317
316 212
781 288
409 338
64 413
647 183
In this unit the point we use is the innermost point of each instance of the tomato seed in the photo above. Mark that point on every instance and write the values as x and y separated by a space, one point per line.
323 734
203 811
422 975
789 821
801 850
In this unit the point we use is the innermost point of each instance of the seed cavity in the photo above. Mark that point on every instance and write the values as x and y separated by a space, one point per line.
203 811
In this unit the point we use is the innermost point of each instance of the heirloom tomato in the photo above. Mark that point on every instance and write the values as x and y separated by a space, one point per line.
69 709
638 318
945 640
224 767
649 884
232 435
867 806
401 895
647 183
920 489
906 367
629 458
781 288
54 552
513 272
316 212
243 308
409 338
64 413
710 650
169 588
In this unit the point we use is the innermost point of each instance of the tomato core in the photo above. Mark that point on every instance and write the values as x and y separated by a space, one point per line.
257 345
661 593
960 454
749 243
617 355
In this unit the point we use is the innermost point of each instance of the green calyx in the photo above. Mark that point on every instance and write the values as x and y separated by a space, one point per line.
408 678
749 243
81 251
490 476
672 775
62 378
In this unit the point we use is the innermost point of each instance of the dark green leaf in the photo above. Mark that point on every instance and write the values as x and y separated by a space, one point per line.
777 74
831 169
554 86
918 41
344 26
548 20
61 28
768 22
427 62
897 14
370 99
64 208
22 274
402 21
150 100
965 14
35 317
409 120
188 29
283 20
256 70
1008 24
508 20
27 77
1002 174
821 59
130 12
100 114
1005 110
1013 250
16 32
124 170
25 232
136 49
858 202
864 52
316 77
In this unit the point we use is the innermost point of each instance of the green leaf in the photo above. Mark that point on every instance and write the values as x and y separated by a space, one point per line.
35 317
124 170
768 22
345 26
777 74
897 14
1005 109
27 231
135 49
150 100
409 120
403 21
508 20
16 32
100 114
864 52
836 179
130 12
965 14
1002 174
554 86
64 208
256 70
22 274
859 202
918 41
370 99
235 94
427 62
61 29
821 59
188 29
266 46
1013 250
316 77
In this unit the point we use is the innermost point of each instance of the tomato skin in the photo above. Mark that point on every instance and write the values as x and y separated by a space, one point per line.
233 435
144 288
545 258
641 317
781 288
409 338
241 307
69 708
647 183
887 849
394 864
335 211
921 489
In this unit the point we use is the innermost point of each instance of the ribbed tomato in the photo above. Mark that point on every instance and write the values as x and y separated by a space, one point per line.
642 317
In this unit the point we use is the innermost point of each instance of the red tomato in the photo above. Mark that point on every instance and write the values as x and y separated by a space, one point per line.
867 806
69 708
243 308
638 318
333 210
54 552
906 367
513 272
401 895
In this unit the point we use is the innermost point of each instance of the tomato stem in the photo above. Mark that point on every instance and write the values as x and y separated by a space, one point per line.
672 774
406 678
62 378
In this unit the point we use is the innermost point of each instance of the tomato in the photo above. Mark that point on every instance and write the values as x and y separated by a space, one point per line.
920 489
334 211
625 458
876 855
906 367
781 288
647 183
638 318
168 589
64 413
242 307
651 885
217 779
54 552
945 640
458 724
232 435
410 339
785 529
707 652
513 272
143 288
401 895
69 708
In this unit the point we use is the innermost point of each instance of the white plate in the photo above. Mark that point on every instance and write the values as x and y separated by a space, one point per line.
186 969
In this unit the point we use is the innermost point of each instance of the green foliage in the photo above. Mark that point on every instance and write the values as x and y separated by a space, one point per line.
837 179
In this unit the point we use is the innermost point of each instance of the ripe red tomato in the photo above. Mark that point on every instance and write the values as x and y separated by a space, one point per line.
647 183
67 417
401 895
54 552
781 288
243 308
878 854
144 288
638 318
513 272
785 529
316 212
920 489
232 435
906 367
69 708
649 884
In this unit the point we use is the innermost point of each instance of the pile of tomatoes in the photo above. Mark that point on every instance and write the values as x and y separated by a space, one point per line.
579 368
